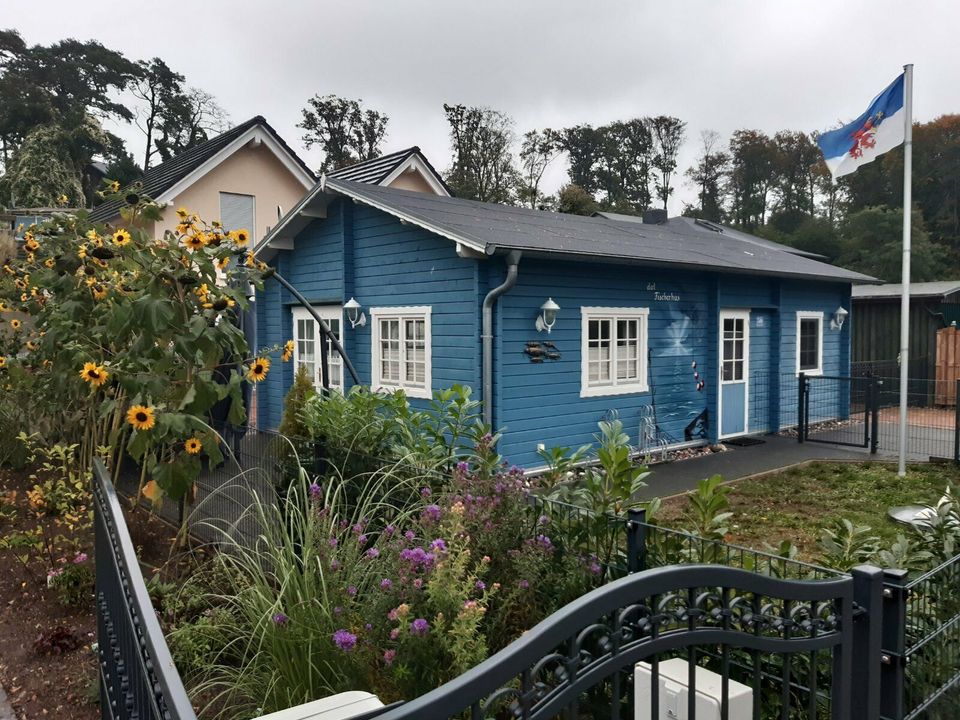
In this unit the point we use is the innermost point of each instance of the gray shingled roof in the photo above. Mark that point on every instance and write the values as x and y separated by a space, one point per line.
377 170
160 178
892 291
488 228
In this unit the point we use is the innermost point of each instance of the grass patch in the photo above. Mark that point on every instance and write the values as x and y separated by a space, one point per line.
796 504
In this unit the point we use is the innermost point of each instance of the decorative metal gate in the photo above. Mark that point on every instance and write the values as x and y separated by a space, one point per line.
838 410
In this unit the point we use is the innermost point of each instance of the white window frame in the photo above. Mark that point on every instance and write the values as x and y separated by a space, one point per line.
614 387
402 313
811 315
327 312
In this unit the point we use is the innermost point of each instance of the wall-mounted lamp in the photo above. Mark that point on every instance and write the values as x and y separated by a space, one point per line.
838 318
353 313
547 316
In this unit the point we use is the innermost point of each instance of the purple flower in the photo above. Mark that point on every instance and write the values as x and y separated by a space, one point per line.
543 520
419 627
481 585
352 590
594 567
417 557
337 610
332 542
439 545
425 492
418 583
314 490
431 513
544 542
463 466
388 656
344 640
395 633
386 584
334 565
280 619
524 584
362 540
373 553
389 530
409 535
368 626
80 557
358 529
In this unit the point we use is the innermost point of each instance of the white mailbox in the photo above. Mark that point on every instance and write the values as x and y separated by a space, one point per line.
342 706
673 693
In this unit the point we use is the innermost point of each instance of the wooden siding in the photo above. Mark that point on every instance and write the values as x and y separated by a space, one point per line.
876 333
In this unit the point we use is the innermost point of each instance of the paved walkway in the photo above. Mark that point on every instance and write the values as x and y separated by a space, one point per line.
774 453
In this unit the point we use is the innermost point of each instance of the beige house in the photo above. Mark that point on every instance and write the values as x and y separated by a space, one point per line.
247 177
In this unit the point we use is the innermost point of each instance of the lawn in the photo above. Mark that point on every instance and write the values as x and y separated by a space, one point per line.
795 504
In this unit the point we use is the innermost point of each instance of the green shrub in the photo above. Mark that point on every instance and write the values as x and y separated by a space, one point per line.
73 582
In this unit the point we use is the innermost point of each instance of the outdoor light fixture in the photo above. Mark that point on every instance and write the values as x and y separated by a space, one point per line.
547 316
353 313
838 317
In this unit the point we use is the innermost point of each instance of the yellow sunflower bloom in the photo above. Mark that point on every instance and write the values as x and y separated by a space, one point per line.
121 237
287 350
185 228
99 292
249 262
141 417
3 306
258 369
63 199
193 446
223 262
240 237
114 186
31 245
22 283
3 362
94 374
195 241
82 252
31 345
16 324
49 262
183 213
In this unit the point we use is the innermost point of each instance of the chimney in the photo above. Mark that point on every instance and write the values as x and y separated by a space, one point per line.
657 216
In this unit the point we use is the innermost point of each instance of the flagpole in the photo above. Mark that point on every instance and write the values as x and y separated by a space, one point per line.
905 294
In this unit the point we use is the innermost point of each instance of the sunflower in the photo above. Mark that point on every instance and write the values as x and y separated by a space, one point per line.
22 283
49 262
82 251
223 262
249 262
94 374
183 213
287 350
16 325
63 199
141 417
185 227
31 245
94 237
114 186
258 369
240 237
3 362
195 241
99 291
31 345
3 306
193 446
121 237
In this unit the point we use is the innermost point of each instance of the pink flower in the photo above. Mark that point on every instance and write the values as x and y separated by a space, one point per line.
80 557
395 633
388 656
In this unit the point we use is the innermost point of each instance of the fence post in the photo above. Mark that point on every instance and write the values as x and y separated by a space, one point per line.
956 423
875 384
801 391
867 628
319 458
636 540
894 640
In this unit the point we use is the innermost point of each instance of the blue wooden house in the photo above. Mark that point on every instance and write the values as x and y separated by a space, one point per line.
691 332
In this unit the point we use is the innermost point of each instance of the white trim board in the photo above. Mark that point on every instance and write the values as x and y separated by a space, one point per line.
745 316
642 385
405 311
809 315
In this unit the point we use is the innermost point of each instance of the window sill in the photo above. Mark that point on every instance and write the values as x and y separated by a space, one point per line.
419 393
810 373
592 392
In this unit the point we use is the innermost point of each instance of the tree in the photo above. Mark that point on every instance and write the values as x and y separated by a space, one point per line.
872 244
192 118
539 149
482 166
582 144
752 173
708 175
667 134
795 174
346 132
623 166
574 200
162 92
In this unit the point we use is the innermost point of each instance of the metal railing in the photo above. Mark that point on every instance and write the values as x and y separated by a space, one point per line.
138 679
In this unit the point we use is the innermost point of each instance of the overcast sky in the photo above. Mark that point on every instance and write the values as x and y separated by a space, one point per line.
717 64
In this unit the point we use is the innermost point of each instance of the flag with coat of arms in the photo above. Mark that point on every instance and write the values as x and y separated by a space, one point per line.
879 129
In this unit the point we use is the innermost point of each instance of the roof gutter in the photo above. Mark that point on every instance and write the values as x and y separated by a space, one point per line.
513 261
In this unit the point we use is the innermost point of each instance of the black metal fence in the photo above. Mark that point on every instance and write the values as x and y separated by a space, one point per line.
138 680
864 411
